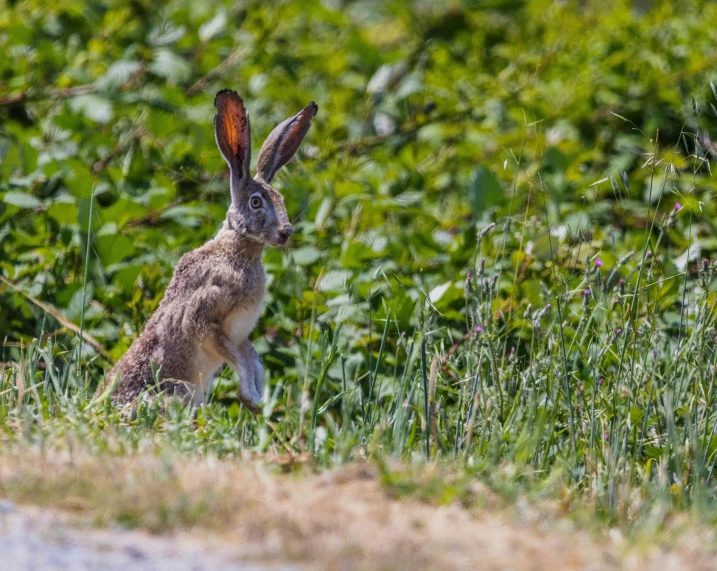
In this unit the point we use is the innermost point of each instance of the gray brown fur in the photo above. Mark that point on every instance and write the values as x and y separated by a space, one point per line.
215 295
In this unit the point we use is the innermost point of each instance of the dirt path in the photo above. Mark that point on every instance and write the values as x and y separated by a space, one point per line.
42 540
261 520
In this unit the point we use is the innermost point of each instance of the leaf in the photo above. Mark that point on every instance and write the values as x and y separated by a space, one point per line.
437 292
347 188
169 65
94 107
355 255
21 199
126 275
6 211
166 33
118 73
113 248
79 299
402 310
692 253
83 215
123 211
554 160
213 27
323 213
63 212
485 191
653 192
335 280
380 80
412 83
545 247
78 178
306 255
185 215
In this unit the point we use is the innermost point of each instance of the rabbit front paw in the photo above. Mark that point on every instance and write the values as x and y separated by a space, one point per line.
251 389
248 395
253 406
258 379
255 381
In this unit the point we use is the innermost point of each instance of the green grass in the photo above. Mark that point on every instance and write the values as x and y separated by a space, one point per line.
610 401
504 251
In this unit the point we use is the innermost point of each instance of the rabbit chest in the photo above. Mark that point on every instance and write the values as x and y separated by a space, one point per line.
241 319
240 322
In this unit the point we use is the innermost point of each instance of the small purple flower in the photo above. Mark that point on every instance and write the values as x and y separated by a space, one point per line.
470 275
606 436
479 329
622 282
586 292
678 207
547 306
598 263
601 381
655 352
619 332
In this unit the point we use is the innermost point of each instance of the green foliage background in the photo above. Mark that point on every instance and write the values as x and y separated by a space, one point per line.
433 117
575 128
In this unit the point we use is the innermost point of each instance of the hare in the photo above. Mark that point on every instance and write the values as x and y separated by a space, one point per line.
215 296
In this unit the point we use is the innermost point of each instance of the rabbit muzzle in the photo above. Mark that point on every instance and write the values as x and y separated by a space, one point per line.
284 234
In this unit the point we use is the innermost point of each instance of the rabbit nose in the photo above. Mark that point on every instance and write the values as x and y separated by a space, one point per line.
285 233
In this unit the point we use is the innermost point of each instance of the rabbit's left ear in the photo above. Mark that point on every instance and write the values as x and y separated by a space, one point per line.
283 142
231 129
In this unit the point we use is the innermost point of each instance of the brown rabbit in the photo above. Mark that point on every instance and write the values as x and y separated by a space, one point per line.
215 296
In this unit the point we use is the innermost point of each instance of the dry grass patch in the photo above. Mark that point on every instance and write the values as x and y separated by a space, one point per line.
339 519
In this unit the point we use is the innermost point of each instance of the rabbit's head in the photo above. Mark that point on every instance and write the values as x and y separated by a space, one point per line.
257 210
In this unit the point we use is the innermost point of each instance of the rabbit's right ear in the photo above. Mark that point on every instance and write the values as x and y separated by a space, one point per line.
283 142
231 129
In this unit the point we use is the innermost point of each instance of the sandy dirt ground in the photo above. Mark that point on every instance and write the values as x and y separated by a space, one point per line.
336 520
37 539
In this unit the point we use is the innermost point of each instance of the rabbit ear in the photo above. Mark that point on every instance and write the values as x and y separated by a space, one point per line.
283 141
231 129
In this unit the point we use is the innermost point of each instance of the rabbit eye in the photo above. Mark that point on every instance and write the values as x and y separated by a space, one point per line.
256 202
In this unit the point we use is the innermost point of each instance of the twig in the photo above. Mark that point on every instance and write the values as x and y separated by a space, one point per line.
20 344
151 217
57 314
406 130
218 71
30 95
120 148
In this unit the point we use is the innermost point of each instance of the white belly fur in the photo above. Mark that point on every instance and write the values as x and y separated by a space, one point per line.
240 322
238 326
